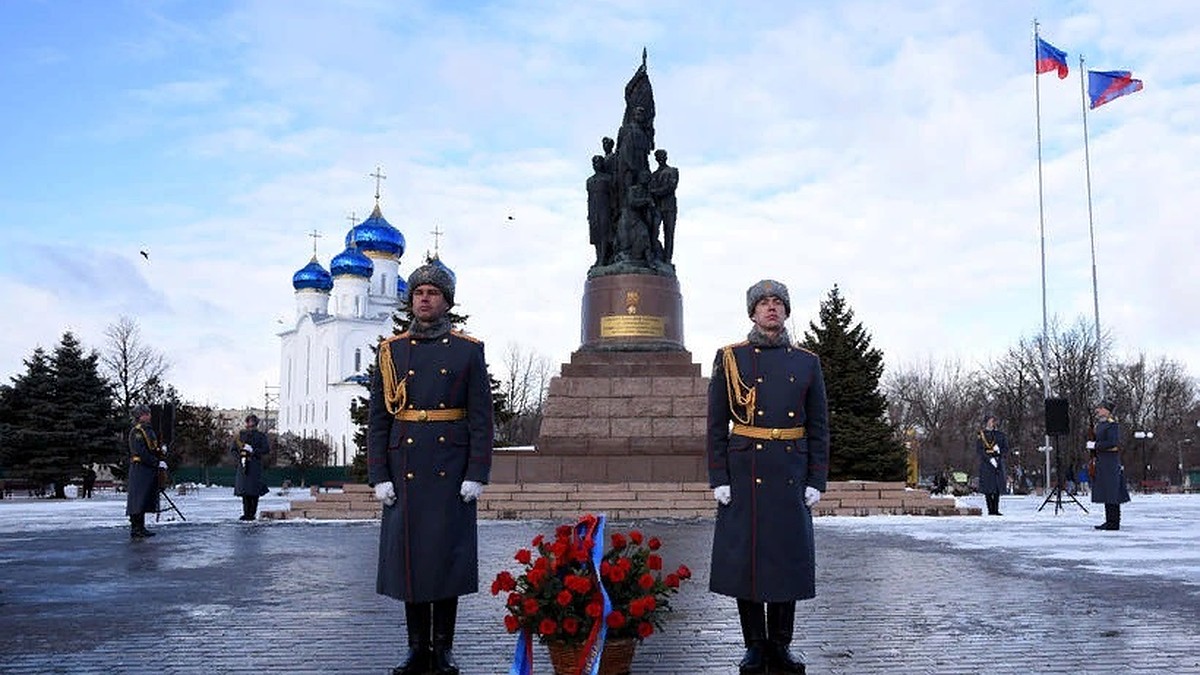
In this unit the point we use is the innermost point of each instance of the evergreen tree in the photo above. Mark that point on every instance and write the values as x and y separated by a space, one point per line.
27 416
87 429
199 438
863 444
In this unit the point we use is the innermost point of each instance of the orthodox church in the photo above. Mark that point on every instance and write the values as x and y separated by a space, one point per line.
340 314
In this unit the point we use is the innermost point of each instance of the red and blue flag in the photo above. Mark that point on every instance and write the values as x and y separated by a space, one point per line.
1106 85
1050 59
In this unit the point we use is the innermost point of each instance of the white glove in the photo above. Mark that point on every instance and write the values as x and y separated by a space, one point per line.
811 496
1091 445
995 448
385 492
248 448
470 490
722 494
994 462
162 465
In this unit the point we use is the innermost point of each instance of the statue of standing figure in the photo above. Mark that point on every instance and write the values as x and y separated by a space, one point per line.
640 202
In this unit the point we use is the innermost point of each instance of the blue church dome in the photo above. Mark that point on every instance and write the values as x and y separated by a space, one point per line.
401 287
312 276
353 262
376 234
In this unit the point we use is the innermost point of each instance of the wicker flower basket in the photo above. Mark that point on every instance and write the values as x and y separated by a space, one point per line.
616 659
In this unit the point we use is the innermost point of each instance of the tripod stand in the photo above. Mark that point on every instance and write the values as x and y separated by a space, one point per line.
1057 492
174 508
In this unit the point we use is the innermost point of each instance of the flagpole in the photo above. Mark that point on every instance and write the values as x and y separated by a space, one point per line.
1087 163
1037 106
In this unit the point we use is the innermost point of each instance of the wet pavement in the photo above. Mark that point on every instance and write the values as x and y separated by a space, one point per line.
297 597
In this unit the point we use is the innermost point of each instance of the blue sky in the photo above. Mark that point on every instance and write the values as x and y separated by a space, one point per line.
885 147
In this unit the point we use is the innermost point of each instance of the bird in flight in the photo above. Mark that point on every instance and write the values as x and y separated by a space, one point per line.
145 255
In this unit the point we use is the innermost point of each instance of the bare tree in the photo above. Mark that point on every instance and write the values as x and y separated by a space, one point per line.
938 403
526 380
1158 398
303 453
133 368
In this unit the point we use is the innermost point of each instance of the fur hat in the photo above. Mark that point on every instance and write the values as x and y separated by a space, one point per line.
252 417
1107 405
139 410
765 288
434 275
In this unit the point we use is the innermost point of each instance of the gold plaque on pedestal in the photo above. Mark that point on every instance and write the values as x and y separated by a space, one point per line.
632 325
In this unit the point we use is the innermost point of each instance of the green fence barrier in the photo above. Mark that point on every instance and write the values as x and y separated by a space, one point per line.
225 475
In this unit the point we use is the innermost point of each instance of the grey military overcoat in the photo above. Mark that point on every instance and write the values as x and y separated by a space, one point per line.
142 481
249 481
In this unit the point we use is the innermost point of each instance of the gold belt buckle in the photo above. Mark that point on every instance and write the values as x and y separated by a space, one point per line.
775 434
423 415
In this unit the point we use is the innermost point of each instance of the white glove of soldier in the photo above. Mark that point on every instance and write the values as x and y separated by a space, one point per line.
811 496
995 464
162 465
470 490
995 448
385 492
723 495
248 448
1091 445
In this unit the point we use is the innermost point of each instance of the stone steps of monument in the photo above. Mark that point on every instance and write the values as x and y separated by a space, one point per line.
626 501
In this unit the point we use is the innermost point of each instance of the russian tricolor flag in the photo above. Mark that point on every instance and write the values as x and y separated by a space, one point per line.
1051 58
1106 85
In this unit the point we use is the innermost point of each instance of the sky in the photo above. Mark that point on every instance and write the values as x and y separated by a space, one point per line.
1157 535
888 148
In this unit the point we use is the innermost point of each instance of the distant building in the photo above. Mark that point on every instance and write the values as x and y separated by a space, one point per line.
340 315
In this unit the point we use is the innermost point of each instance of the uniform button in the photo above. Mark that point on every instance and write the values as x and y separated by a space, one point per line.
445 341
758 446
442 474
760 412
787 448
408 476
759 379
441 439
791 378
443 371
441 405
408 440
791 481
411 406
413 342
411 372
789 350
758 481
757 350
791 414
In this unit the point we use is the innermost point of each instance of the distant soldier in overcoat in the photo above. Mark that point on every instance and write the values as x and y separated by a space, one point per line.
146 458
767 472
992 447
250 447
1108 485
429 453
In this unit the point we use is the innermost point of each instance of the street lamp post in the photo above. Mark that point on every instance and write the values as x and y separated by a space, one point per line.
1142 436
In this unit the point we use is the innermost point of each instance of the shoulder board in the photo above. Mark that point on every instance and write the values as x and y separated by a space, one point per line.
806 350
395 337
460 334
1111 419
743 343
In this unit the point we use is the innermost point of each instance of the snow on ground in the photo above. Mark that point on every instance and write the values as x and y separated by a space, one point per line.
1160 534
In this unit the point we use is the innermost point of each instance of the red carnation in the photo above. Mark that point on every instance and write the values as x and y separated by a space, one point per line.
672 581
646 581
563 598
635 537
514 599
536 576
537 541
523 556
645 629
594 610
616 574
618 541
649 603
684 572
570 625
654 543
637 608
616 619
530 606
625 564
547 627
654 562
511 623
562 532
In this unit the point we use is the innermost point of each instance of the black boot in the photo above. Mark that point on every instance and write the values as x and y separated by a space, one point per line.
137 527
1112 516
781 619
754 633
246 509
416 616
445 614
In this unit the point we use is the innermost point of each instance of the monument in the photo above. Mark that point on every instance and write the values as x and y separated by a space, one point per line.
630 405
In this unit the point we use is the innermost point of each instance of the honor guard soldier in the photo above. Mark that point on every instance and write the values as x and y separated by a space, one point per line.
146 459
767 472
1108 485
992 447
429 453
250 447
